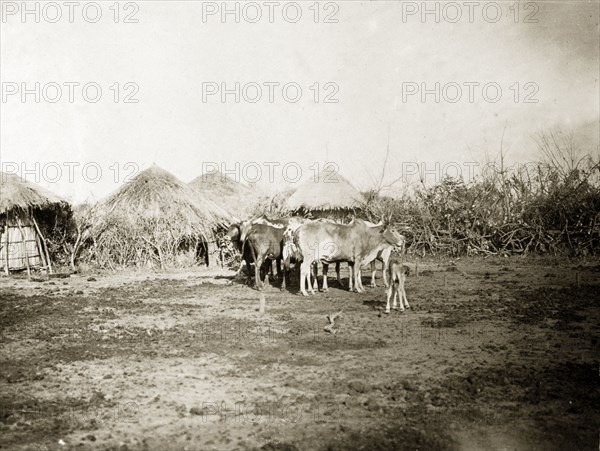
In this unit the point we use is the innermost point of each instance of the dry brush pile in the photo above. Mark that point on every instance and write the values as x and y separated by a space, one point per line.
538 208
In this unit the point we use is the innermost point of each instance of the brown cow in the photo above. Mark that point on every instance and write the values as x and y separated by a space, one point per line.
260 240
265 243
234 235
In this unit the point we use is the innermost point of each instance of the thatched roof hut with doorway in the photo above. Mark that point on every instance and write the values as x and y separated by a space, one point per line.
26 210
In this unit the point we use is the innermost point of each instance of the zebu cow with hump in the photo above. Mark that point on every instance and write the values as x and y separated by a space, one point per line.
355 243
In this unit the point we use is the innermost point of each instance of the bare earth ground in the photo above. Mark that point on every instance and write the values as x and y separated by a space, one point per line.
494 354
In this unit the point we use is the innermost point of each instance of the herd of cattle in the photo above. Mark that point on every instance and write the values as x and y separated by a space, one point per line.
275 243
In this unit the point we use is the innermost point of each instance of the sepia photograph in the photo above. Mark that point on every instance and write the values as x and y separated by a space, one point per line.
300 225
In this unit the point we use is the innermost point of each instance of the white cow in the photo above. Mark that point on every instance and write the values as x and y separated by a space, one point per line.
355 243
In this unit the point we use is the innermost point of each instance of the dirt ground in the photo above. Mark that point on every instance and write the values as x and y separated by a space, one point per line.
496 353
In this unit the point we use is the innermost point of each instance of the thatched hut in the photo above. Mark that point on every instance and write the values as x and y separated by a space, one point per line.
328 196
236 198
25 208
154 220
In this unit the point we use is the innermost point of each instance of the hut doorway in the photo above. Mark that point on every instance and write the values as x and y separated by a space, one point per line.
203 252
21 245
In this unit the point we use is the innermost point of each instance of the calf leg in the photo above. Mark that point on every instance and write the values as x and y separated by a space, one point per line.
403 292
325 269
397 296
389 292
337 273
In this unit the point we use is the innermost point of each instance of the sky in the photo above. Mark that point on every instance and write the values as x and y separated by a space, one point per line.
494 72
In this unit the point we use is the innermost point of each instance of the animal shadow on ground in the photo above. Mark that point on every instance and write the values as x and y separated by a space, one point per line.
242 278
375 304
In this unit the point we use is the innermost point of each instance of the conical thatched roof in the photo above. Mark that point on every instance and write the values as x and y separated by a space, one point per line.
325 194
158 194
16 193
235 197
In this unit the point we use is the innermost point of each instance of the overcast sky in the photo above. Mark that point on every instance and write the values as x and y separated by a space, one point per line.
374 55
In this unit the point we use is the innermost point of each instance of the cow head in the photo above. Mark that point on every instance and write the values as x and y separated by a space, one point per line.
290 247
393 237
296 221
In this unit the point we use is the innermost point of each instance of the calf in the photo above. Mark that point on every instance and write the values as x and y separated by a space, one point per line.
397 273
